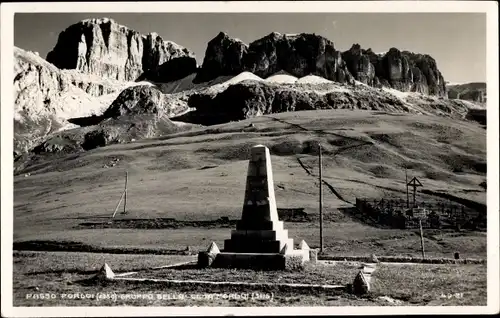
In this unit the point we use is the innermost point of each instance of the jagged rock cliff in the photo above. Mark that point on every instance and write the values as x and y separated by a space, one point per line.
103 47
309 54
299 55
401 70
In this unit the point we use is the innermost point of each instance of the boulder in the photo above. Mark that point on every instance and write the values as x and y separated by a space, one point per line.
303 246
360 286
213 248
105 273
285 249
206 259
142 99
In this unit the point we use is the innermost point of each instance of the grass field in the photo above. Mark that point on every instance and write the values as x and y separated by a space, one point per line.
200 175
64 274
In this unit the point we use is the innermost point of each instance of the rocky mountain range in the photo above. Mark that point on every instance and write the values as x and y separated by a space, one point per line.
309 54
101 75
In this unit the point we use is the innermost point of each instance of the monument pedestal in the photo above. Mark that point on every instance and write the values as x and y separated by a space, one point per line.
260 240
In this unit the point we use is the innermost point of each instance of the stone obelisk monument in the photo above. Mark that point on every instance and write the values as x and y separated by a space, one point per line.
259 241
259 230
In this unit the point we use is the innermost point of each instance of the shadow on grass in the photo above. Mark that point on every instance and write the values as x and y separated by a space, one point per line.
63 271
356 216
71 246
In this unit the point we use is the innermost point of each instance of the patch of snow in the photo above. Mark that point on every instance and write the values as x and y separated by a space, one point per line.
68 126
472 105
77 103
181 123
243 76
313 79
281 77
453 83
395 92
98 20
381 53
142 83
361 83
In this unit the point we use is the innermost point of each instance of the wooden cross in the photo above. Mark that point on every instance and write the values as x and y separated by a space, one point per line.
414 183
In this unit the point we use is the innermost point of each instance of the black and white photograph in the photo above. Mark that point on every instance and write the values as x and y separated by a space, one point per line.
214 158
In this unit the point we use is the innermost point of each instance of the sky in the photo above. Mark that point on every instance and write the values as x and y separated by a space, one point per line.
457 41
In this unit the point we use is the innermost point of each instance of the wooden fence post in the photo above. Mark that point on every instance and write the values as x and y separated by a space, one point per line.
421 238
125 200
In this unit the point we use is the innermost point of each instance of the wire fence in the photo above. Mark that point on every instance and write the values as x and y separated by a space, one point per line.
397 213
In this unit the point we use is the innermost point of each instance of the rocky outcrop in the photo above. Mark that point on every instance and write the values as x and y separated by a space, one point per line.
138 100
36 84
299 55
404 71
103 47
475 92
252 98
45 97
144 100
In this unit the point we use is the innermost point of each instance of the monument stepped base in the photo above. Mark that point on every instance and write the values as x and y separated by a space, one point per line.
260 261
260 240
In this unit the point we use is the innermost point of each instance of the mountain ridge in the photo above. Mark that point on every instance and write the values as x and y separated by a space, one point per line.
167 83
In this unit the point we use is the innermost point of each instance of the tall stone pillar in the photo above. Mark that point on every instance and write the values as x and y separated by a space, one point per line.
259 230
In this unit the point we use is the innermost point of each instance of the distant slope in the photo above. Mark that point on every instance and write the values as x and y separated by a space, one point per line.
245 96
469 91
200 174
